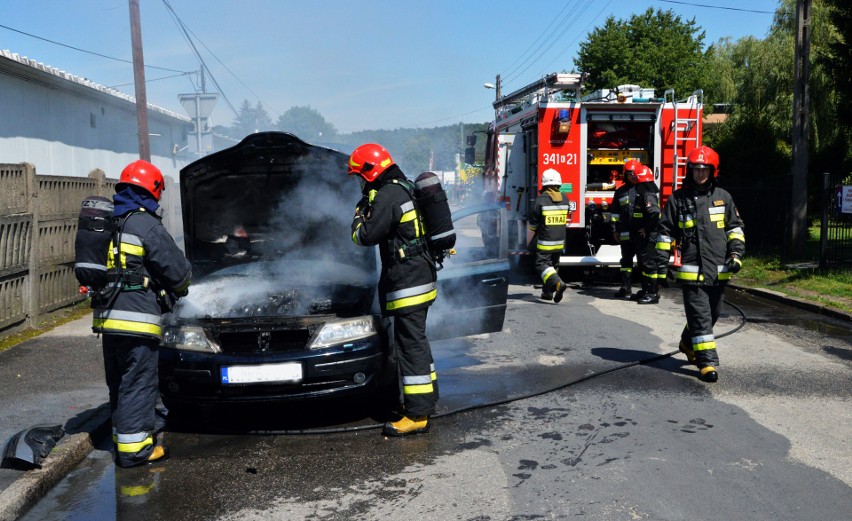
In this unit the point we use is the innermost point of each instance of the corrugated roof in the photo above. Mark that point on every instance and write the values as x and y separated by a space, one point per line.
23 60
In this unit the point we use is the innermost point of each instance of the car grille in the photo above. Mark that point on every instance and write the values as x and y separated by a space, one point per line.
241 342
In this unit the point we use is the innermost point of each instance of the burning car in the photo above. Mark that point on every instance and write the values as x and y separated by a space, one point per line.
283 305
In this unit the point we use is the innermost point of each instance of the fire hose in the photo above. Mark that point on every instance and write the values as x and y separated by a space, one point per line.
598 374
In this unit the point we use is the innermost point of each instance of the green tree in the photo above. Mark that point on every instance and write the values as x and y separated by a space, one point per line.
654 49
308 124
761 72
250 120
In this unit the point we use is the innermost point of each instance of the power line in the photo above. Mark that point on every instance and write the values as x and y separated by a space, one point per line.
554 40
155 79
85 51
231 72
716 7
198 55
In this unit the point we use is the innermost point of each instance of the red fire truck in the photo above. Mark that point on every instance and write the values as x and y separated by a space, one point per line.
547 124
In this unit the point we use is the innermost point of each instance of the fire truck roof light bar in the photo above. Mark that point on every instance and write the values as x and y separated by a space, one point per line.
550 84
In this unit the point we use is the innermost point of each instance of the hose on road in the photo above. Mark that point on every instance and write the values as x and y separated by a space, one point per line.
598 374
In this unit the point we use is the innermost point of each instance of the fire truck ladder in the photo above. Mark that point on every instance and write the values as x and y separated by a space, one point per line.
548 85
685 121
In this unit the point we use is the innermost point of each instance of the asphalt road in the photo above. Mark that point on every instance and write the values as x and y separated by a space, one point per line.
647 441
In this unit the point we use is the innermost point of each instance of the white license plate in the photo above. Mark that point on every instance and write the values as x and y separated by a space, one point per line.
247 374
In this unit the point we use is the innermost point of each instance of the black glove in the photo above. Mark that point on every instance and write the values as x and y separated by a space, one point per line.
734 264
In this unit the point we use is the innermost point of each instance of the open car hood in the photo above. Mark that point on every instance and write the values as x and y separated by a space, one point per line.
267 230
269 197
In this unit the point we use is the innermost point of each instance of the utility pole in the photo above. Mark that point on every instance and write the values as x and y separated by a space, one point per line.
799 185
139 81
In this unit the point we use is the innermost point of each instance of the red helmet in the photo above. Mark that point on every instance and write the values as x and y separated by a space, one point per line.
369 161
144 175
630 168
703 155
643 174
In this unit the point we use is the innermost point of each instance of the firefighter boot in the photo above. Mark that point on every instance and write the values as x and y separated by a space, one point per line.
687 350
641 293
652 296
625 289
406 426
546 295
709 374
560 289
160 453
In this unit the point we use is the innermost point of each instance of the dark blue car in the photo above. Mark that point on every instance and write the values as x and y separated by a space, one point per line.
283 305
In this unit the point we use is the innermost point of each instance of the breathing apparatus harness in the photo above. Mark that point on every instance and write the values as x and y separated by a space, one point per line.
123 280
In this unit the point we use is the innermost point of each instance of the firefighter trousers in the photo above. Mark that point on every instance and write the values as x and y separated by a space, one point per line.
130 365
702 305
546 263
416 366
628 252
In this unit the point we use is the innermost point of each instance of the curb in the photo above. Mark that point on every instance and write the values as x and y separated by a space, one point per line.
795 302
34 484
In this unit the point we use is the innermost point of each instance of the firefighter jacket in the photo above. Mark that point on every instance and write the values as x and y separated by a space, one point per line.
408 280
646 213
548 220
706 226
622 210
145 272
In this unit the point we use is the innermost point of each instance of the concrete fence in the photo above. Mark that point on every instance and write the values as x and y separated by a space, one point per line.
38 223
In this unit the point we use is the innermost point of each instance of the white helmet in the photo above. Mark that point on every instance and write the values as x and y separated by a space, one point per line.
551 177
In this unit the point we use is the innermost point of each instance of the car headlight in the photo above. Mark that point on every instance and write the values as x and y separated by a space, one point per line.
189 339
340 331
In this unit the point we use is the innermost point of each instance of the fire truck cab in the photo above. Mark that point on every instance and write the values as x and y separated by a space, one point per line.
547 124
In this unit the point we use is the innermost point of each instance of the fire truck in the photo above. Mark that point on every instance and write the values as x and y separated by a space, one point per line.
547 124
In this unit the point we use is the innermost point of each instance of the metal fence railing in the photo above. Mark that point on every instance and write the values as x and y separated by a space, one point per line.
836 225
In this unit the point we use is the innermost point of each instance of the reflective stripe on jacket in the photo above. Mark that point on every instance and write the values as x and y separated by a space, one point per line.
145 261
408 280
622 210
548 220
707 228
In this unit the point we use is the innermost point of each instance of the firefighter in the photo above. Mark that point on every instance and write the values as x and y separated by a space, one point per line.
146 272
548 220
387 216
643 234
622 214
702 221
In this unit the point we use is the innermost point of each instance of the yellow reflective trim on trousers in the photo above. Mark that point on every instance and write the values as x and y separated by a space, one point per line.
704 346
127 325
665 246
412 301
557 247
418 389
134 447
433 375
550 274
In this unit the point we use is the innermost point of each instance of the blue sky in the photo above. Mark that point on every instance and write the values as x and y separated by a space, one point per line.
364 64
